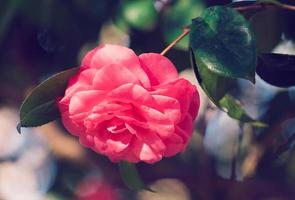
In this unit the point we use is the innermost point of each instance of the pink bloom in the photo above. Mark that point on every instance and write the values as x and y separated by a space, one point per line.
128 107
93 189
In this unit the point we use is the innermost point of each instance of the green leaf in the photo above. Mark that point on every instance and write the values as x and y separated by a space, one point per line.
177 16
222 49
234 109
217 88
39 107
223 41
214 85
7 12
140 14
130 176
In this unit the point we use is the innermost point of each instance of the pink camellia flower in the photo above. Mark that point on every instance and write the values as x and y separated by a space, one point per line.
94 189
128 107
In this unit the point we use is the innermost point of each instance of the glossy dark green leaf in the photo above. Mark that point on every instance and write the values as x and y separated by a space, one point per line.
39 115
140 14
277 69
39 107
130 176
223 41
234 109
177 16
214 85
217 88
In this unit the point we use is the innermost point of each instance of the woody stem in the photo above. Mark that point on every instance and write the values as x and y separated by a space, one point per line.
170 46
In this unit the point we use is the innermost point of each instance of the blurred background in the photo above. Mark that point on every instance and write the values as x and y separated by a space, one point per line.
225 159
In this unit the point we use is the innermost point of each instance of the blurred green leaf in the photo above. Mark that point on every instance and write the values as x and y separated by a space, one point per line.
234 109
140 14
7 12
39 107
177 16
130 176
223 41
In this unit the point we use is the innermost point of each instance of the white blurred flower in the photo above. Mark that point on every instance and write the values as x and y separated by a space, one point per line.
18 183
285 47
166 189
10 140
31 172
222 136
255 98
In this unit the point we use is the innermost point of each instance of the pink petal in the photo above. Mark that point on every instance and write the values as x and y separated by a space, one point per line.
169 106
174 144
111 107
84 101
111 76
195 105
115 54
132 93
148 146
180 89
185 128
112 145
158 121
158 68
86 62
75 127
80 82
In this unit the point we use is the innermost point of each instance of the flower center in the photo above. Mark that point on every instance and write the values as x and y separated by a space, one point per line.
117 126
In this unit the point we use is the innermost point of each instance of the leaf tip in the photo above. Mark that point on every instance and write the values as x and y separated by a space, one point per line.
149 189
18 128
259 124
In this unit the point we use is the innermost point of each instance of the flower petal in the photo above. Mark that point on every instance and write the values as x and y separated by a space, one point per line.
180 89
84 101
195 105
112 76
148 146
132 93
81 81
169 106
75 127
174 144
185 128
158 68
158 121
115 54
112 145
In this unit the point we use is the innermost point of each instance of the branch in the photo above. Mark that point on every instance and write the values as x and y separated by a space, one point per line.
182 35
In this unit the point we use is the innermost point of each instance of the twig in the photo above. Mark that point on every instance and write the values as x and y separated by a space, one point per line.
184 33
